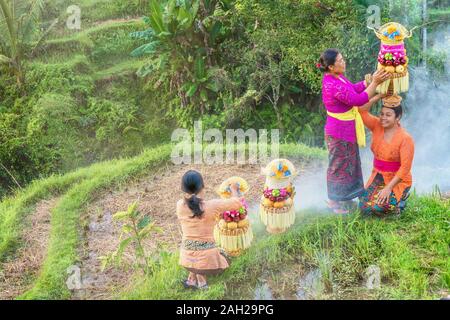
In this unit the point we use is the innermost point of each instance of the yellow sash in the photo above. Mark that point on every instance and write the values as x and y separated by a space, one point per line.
353 114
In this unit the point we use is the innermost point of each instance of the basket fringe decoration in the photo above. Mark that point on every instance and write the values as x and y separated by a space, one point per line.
233 232
392 57
277 210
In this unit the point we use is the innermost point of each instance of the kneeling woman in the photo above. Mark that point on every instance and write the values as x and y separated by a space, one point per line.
393 148
198 253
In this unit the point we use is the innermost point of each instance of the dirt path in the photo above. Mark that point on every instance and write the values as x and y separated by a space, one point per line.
18 273
62 31
116 20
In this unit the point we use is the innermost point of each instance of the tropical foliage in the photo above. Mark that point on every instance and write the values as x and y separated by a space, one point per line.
20 33
182 42
229 63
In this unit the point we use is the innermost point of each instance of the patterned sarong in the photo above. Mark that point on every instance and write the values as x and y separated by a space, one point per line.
344 174
368 205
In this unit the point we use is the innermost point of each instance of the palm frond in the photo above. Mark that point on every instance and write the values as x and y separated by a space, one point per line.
44 35
19 26
4 59
29 22
7 16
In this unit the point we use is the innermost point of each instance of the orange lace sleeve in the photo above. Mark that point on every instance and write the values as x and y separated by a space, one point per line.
370 121
406 157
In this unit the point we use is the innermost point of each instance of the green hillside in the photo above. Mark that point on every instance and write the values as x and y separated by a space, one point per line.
86 132
412 252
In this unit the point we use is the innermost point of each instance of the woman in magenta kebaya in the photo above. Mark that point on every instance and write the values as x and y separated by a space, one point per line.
344 129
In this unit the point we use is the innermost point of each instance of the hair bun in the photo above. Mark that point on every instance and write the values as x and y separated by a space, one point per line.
327 58
321 67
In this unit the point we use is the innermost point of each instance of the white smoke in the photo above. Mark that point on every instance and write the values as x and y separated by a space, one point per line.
426 118
311 189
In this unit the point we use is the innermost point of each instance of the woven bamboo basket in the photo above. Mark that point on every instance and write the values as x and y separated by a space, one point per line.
277 220
398 82
235 241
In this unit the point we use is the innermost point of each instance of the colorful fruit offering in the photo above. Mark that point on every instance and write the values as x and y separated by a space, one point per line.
277 198
392 57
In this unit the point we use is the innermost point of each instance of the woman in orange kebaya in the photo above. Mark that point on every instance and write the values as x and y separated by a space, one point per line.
388 186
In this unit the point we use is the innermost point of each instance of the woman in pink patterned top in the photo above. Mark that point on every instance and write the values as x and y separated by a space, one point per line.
340 96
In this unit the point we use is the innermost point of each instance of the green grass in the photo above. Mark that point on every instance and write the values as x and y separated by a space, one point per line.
65 220
123 68
78 62
95 30
102 51
93 13
88 40
78 189
412 253
439 14
14 209
107 9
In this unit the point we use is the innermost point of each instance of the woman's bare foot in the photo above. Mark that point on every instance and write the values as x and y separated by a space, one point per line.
201 282
340 211
337 207
191 281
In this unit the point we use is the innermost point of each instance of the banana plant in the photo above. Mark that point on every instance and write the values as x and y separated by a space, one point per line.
180 41
202 80
18 33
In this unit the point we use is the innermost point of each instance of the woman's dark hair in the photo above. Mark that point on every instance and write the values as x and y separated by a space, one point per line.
327 59
192 183
397 110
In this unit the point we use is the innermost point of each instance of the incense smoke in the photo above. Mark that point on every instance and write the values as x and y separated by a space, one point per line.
426 118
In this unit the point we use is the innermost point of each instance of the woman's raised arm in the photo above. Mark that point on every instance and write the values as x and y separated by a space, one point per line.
378 78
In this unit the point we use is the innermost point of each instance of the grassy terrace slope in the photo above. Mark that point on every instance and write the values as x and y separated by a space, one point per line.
76 190
412 252
85 82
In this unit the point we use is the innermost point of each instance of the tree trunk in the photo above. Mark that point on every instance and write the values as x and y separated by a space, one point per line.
278 114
